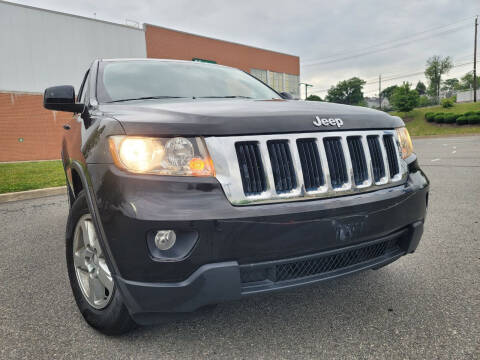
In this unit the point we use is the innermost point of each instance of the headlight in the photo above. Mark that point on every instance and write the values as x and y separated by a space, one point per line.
405 142
162 156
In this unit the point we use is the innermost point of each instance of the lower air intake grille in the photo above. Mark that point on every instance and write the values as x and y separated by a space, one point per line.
336 161
359 164
282 165
328 263
311 166
251 168
319 264
391 154
376 156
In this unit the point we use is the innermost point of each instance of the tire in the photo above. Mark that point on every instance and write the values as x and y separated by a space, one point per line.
105 312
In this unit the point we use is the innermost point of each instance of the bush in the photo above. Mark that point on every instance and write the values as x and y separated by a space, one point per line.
404 99
461 120
447 103
450 118
429 116
424 101
439 118
473 118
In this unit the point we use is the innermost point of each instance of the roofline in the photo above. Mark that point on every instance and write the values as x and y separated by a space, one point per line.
141 29
212 38
199 63
71 15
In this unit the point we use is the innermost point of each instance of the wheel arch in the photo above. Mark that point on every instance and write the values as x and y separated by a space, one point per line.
82 182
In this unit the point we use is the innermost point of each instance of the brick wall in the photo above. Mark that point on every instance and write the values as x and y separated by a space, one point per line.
22 116
171 44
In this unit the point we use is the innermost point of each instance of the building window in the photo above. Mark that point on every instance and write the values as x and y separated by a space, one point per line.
279 81
259 74
291 84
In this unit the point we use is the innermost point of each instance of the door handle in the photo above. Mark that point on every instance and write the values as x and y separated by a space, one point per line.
66 127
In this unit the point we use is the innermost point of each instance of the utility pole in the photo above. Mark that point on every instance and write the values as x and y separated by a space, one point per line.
380 91
475 62
306 87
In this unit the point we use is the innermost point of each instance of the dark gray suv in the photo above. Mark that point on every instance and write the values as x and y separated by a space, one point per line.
191 184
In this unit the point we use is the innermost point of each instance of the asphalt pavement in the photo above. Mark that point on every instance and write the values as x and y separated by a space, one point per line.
424 306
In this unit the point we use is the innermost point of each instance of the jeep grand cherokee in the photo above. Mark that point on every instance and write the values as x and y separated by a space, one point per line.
191 184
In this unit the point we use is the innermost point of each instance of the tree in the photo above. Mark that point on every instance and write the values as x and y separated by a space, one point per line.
451 84
467 81
421 88
313 98
387 92
436 67
347 92
404 99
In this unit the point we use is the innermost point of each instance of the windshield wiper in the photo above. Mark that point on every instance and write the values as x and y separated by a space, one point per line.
148 98
224 97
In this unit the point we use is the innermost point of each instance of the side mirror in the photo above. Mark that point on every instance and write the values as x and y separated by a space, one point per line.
286 96
61 98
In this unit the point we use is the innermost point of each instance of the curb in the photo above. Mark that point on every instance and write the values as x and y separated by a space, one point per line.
32 194
443 136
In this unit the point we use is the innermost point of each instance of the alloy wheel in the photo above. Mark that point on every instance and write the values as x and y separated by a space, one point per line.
91 269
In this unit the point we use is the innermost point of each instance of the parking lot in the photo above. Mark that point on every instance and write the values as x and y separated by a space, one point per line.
424 306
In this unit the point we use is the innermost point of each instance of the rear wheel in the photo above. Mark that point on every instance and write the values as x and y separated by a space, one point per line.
90 278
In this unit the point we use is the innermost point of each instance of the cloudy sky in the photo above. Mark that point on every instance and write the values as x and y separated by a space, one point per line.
334 39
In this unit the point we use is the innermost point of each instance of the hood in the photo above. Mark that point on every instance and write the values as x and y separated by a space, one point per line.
212 117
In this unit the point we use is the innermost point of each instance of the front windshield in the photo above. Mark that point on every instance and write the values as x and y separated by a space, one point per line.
130 80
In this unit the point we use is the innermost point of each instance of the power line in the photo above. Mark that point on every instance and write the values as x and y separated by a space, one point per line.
403 38
366 53
399 76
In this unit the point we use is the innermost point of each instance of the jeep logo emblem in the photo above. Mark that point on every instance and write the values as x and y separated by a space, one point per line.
327 122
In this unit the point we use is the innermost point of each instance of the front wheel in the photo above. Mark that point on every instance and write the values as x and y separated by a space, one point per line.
92 284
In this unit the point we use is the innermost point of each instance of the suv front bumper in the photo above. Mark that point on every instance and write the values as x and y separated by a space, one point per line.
238 244
227 281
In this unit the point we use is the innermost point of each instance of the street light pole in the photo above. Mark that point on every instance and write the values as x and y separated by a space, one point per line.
475 62
306 87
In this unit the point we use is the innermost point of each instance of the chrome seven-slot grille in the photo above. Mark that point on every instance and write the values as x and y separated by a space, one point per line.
268 168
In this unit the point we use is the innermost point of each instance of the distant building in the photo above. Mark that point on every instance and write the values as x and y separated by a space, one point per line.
467 95
42 48
372 102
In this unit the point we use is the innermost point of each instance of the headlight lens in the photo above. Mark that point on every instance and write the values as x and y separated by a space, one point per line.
405 142
163 156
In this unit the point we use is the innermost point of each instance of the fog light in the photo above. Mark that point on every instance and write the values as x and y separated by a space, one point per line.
165 239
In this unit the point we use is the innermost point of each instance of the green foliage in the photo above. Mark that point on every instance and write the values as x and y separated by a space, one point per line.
347 92
450 118
435 68
439 118
421 88
461 120
451 84
473 118
447 102
30 175
418 126
404 99
313 98
388 92
430 116
467 81
424 101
